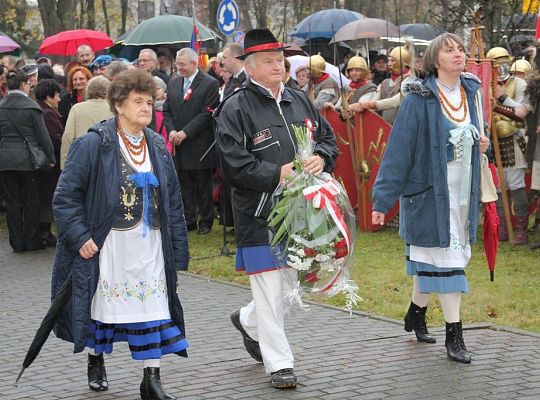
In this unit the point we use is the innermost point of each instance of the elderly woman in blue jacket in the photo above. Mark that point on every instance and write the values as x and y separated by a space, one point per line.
122 234
432 164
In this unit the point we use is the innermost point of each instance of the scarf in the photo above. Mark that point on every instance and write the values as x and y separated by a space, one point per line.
403 72
321 78
357 85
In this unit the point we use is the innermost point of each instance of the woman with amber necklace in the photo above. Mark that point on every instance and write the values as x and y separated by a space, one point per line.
122 233
432 163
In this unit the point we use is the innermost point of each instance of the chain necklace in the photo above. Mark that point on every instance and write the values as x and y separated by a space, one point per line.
446 105
133 150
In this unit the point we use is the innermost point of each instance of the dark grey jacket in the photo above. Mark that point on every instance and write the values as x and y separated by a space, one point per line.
255 138
193 115
19 113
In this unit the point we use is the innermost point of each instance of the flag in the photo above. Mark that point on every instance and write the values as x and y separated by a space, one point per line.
530 6
195 45
538 26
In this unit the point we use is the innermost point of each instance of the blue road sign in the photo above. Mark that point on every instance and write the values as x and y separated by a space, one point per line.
228 17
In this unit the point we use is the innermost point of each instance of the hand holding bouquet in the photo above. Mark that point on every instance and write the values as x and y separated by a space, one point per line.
312 224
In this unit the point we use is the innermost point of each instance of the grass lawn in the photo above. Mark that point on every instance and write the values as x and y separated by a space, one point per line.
513 299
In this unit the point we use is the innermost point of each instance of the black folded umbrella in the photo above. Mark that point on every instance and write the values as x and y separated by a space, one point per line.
61 299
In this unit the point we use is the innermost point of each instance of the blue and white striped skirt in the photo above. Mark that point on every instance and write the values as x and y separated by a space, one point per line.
146 340
432 279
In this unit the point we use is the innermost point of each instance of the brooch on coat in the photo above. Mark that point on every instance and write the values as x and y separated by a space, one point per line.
189 92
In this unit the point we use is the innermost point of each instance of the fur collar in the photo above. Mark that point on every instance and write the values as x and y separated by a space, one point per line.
419 87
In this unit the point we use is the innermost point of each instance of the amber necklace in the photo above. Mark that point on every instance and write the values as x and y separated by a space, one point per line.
133 150
447 105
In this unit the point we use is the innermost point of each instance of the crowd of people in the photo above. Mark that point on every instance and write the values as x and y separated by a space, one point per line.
131 149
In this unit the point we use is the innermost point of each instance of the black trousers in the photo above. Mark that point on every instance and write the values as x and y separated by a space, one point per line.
21 191
196 187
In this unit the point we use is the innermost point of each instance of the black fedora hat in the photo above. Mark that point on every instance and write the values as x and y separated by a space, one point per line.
258 40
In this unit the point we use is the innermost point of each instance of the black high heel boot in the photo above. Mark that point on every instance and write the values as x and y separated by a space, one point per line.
151 388
97 376
455 346
415 319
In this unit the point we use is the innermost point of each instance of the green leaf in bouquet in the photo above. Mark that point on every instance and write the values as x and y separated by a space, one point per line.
282 230
277 217
315 219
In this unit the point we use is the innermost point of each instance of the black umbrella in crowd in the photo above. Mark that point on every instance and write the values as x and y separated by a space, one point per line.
420 31
62 297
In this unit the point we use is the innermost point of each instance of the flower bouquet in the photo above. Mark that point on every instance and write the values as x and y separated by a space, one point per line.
312 228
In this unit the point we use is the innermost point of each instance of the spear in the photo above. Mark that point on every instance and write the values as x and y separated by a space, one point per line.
310 93
359 182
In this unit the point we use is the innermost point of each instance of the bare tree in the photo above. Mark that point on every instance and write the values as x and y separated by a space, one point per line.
57 15
13 21
90 14
498 17
123 12
106 17
260 9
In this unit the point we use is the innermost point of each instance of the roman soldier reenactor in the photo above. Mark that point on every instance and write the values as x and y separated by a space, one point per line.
388 96
325 88
509 111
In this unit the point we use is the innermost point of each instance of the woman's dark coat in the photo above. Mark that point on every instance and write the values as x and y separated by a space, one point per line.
55 127
84 204
64 107
20 115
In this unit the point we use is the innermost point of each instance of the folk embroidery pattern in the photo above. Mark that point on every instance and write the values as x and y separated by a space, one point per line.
139 290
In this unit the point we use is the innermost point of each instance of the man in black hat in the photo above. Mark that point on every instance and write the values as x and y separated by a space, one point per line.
257 146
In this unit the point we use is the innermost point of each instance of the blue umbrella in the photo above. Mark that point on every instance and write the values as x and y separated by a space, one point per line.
324 24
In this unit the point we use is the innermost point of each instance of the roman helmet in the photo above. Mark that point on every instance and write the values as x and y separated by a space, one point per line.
357 62
317 66
360 63
521 68
501 58
402 57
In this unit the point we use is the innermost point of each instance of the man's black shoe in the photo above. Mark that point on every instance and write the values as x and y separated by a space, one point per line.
284 379
203 230
192 227
252 347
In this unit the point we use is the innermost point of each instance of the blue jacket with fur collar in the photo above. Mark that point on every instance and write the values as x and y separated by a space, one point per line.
414 166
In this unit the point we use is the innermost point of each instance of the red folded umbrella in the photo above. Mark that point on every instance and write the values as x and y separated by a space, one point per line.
491 235
491 228
66 43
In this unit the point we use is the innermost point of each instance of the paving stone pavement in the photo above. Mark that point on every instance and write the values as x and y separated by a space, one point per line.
337 356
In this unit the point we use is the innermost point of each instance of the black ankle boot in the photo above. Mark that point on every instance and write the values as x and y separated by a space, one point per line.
97 376
151 388
455 346
416 320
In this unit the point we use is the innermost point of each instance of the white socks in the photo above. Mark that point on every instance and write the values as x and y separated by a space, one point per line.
450 303
151 363
420 299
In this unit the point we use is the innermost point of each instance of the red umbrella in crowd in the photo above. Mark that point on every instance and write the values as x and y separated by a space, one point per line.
491 228
66 43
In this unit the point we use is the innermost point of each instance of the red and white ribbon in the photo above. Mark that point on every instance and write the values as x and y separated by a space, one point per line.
325 196
310 128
